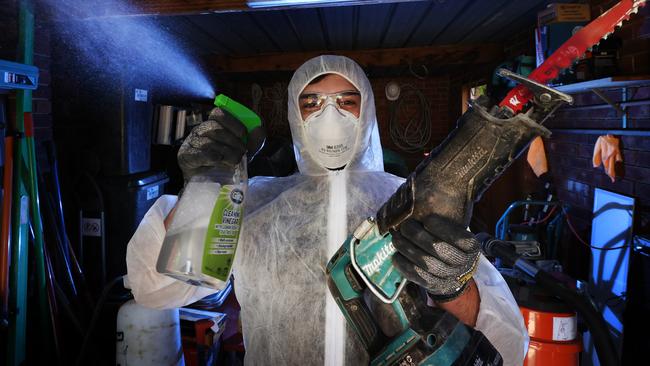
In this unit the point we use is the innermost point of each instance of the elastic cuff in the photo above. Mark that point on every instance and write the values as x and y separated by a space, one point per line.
447 298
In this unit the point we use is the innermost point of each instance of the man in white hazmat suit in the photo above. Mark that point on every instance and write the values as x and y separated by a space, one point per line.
293 225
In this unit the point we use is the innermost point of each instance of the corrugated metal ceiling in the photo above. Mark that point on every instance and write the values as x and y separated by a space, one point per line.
390 25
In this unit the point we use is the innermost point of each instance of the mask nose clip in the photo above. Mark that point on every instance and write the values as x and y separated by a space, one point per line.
329 101
332 102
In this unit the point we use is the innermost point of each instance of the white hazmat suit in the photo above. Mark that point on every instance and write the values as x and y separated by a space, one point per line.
292 226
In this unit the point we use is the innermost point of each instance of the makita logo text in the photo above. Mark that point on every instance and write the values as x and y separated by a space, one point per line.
381 256
471 162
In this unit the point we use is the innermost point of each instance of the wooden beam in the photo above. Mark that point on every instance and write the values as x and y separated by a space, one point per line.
94 9
184 7
430 56
99 9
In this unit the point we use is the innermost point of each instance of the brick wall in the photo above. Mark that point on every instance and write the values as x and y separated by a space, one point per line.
41 97
570 159
634 55
570 154
9 30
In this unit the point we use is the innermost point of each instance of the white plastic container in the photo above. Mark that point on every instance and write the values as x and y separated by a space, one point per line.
201 241
147 336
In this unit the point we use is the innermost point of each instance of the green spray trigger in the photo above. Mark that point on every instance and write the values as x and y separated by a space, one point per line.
246 116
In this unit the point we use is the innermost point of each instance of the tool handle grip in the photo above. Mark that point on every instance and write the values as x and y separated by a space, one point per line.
460 169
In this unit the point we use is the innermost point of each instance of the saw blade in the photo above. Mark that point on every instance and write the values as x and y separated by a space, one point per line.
572 50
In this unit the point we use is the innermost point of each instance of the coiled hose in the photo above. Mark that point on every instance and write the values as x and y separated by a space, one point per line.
414 134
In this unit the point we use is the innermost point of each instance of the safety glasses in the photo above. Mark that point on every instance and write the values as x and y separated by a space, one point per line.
347 100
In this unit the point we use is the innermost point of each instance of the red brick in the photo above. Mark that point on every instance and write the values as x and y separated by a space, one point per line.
42 106
42 41
642 190
639 123
630 29
578 188
569 161
586 151
635 46
572 137
583 213
42 120
637 173
43 134
642 62
639 111
635 143
42 62
626 64
574 199
562 148
43 92
638 158
595 177
640 93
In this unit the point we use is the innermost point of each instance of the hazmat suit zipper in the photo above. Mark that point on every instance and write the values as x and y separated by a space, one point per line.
336 233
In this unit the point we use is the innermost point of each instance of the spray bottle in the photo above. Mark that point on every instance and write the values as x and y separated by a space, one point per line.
201 241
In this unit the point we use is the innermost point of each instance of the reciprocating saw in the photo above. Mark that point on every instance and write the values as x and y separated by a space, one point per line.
446 183
400 329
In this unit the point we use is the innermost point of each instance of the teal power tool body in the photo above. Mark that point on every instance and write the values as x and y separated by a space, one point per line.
390 315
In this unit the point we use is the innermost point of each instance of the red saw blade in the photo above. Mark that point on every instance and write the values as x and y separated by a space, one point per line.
571 50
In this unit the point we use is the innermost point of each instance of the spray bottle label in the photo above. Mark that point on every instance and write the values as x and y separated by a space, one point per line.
223 233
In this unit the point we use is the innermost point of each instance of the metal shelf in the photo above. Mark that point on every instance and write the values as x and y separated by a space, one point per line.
615 82
603 131
605 83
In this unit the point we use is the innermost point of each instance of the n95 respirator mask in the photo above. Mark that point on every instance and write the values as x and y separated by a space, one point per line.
331 134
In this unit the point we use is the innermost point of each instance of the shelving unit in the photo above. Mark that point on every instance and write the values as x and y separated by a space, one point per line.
597 87
613 82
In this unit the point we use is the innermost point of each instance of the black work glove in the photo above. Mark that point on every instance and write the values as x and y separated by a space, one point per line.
217 141
436 254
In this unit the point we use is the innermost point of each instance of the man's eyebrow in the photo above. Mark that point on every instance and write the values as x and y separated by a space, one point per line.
307 95
350 92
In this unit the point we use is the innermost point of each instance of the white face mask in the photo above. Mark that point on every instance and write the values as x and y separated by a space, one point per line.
331 135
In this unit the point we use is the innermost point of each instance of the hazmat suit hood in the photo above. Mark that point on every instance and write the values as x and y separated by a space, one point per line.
367 154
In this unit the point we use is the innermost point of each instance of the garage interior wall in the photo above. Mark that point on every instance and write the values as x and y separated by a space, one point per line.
569 153
42 97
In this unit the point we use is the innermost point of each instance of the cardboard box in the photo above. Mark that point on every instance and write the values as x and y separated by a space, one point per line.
560 13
